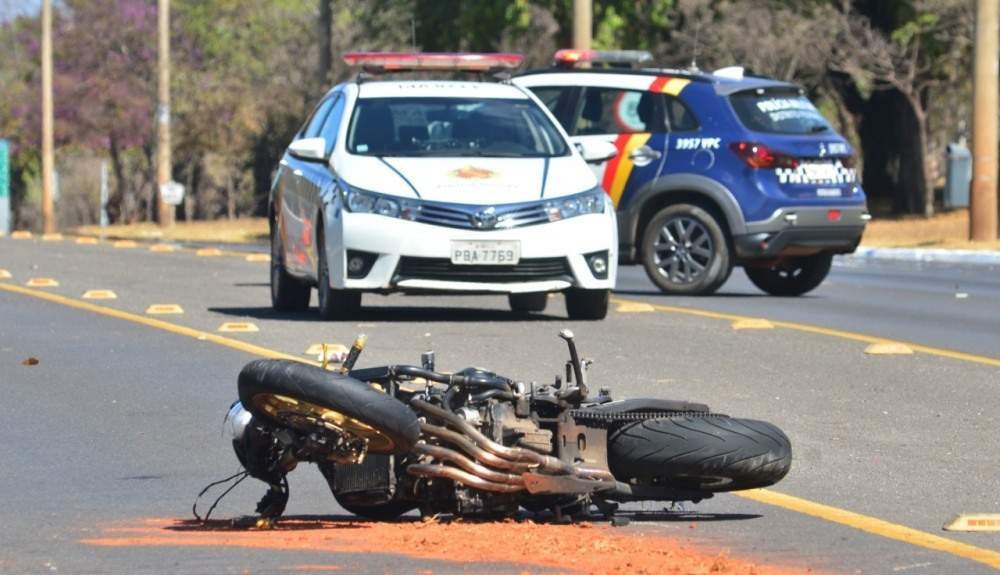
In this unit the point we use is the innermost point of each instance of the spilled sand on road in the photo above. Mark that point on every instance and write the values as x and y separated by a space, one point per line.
575 548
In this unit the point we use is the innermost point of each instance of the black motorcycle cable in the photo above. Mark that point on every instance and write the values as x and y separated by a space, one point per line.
194 508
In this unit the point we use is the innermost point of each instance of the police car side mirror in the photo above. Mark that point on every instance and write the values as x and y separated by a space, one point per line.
309 148
596 151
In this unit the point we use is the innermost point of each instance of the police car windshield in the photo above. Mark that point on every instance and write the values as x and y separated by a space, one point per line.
452 127
778 111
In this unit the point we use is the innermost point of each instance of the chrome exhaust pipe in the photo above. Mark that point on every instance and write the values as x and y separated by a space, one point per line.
457 475
452 456
471 450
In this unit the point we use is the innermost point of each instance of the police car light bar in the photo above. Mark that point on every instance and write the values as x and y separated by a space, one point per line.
406 61
568 57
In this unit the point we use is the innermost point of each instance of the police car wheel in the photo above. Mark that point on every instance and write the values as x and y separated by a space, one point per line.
685 251
792 277
333 303
587 303
287 293
528 302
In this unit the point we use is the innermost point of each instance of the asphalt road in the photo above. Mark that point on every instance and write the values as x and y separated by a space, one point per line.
120 422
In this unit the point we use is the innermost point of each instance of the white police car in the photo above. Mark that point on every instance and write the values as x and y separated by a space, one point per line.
439 186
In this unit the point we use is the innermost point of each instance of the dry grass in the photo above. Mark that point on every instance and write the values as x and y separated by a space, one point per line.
241 231
948 230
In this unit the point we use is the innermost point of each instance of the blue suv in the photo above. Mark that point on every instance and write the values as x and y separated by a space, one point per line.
713 171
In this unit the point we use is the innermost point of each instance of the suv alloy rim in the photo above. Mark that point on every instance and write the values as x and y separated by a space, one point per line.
683 250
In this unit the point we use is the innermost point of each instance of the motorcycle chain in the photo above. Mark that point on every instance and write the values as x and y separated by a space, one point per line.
607 419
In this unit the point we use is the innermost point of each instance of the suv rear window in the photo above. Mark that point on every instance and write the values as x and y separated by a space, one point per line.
781 111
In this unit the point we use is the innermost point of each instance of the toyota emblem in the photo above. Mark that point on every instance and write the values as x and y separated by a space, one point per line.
485 219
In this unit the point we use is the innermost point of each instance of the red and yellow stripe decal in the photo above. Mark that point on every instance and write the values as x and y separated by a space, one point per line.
668 85
619 168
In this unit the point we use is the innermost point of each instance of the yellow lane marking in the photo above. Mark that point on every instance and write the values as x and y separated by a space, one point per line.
974 522
5 275
752 323
20 235
162 248
125 244
950 354
155 323
99 294
874 526
208 252
239 326
42 282
53 237
634 307
258 258
164 309
888 348
86 241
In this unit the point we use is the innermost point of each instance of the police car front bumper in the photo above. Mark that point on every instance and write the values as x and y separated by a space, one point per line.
803 231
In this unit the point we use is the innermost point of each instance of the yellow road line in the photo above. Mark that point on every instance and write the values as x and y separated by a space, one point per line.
839 333
155 323
874 526
841 516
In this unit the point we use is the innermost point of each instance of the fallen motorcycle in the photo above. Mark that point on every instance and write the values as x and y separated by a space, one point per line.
401 437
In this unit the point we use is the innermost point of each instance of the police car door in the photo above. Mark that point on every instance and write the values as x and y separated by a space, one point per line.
632 120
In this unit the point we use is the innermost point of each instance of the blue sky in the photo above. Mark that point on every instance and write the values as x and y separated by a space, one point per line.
10 9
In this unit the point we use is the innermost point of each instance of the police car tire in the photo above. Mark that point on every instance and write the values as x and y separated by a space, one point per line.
587 304
792 278
333 303
719 265
528 302
287 293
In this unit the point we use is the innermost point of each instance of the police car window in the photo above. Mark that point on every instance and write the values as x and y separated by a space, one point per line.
778 111
550 96
453 127
332 124
679 117
613 111
315 121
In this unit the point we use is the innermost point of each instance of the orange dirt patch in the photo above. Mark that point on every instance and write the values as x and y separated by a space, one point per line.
576 548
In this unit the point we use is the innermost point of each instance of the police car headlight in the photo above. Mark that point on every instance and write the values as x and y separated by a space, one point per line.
361 202
365 202
386 207
591 202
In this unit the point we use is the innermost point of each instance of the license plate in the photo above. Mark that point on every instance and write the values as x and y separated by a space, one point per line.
489 253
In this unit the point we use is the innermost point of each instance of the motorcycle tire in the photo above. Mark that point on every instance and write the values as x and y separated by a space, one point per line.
307 398
707 452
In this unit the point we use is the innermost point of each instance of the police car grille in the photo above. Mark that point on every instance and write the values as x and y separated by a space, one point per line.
540 269
507 217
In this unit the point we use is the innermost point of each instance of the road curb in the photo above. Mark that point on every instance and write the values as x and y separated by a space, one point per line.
974 257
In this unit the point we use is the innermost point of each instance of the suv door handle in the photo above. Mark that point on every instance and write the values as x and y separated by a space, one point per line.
644 155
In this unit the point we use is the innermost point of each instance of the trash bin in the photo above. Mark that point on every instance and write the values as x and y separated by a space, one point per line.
958 177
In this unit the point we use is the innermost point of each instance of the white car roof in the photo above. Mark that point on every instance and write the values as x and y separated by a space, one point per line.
439 89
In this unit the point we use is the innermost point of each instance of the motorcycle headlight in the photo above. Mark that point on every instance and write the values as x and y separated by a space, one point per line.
236 421
590 202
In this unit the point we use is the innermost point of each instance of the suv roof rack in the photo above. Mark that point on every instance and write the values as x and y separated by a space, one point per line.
609 58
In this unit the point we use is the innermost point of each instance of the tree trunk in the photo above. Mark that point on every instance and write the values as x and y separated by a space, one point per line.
117 205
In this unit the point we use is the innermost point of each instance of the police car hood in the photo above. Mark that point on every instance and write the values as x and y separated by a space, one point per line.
469 180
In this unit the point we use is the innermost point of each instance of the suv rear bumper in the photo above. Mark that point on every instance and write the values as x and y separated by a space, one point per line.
803 231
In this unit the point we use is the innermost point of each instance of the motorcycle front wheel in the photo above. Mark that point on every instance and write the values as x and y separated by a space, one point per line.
310 399
706 452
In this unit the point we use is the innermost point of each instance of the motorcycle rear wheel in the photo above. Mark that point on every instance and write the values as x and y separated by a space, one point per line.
307 398
706 452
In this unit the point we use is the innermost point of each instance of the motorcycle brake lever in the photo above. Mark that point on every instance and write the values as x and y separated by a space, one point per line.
574 357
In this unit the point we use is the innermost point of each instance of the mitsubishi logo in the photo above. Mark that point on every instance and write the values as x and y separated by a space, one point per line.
485 219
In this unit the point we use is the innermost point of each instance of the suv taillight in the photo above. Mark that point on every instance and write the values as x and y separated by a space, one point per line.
760 156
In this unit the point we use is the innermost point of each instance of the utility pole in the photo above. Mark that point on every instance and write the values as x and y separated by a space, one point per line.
983 205
325 43
583 24
48 153
163 162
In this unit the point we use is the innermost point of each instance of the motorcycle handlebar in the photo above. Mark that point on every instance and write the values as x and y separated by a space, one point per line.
479 382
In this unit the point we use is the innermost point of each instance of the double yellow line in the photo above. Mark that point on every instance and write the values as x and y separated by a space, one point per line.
833 514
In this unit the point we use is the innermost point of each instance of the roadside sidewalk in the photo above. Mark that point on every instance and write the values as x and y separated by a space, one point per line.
928 255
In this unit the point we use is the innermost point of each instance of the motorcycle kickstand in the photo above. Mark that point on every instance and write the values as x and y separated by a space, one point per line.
609 509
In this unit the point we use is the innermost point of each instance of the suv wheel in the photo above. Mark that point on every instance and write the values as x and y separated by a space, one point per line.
587 303
528 302
685 252
287 293
333 303
792 277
